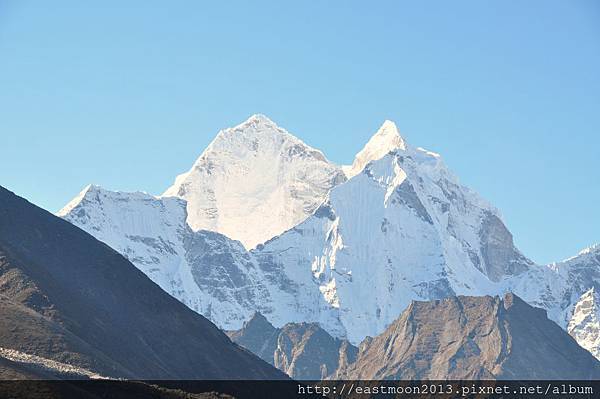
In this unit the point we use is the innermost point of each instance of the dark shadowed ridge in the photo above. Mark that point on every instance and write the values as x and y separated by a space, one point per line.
473 338
68 297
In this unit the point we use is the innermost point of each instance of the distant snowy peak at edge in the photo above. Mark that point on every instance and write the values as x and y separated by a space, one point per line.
584 325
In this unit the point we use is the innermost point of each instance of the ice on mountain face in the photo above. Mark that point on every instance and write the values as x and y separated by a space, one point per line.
254 181
584 325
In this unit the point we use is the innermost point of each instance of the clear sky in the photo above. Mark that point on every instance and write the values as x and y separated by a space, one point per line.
128 94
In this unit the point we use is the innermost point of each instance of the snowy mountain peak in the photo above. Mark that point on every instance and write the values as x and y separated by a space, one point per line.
78 198
255 181
258 124
386 139
257 134
390 131
257 119
93 193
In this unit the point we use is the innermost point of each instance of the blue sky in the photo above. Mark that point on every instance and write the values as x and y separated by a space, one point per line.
127 94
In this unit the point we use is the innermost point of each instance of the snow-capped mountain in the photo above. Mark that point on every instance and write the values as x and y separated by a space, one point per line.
401 228
255 181
210 273
584 325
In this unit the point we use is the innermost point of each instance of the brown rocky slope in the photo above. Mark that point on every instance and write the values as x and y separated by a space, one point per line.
473 338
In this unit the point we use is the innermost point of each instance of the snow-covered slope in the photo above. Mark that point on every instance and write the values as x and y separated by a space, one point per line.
147 230
401 228
584 325
207 271
559 286
255 181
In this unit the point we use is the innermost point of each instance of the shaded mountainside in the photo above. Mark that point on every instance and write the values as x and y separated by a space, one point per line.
25 381
302 350
10 370
99 389
69 298
473 338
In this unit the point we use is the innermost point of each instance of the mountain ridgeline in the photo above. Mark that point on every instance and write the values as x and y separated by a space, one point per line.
349 252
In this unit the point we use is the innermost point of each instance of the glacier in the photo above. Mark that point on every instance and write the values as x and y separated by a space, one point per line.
263 222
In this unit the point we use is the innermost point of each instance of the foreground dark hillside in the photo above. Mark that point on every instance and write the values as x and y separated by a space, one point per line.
68 298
